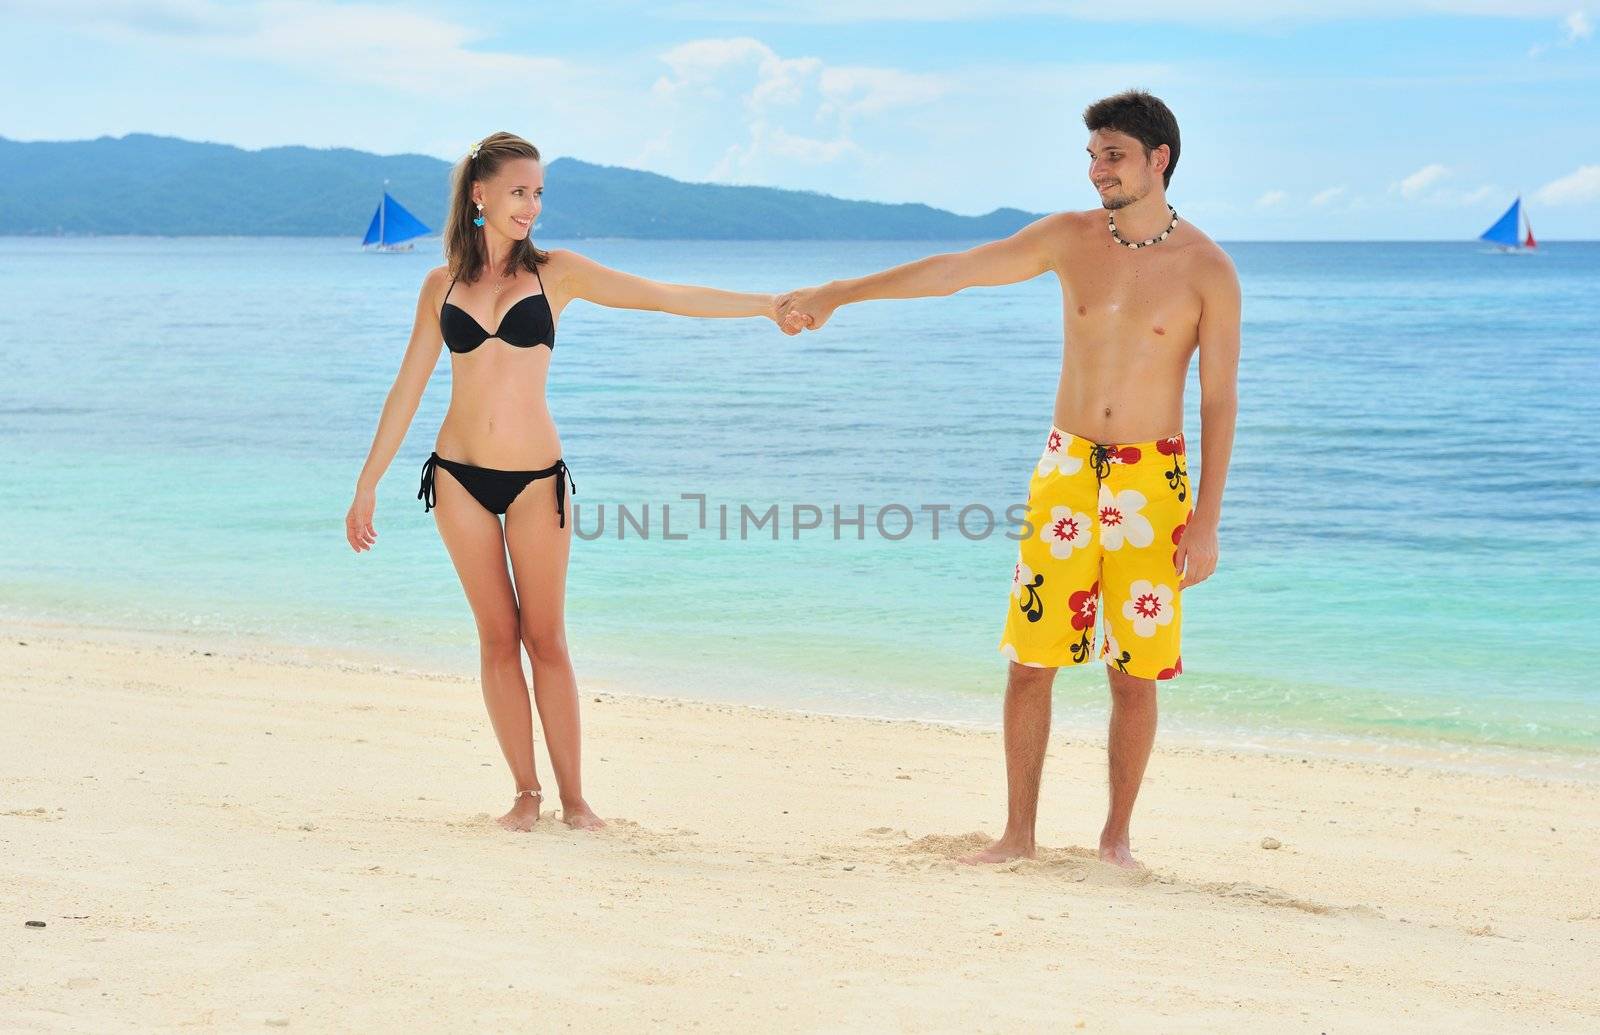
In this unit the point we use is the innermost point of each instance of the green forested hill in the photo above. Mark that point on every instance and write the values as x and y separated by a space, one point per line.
143 184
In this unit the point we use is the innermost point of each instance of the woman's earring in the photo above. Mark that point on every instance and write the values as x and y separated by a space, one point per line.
479 220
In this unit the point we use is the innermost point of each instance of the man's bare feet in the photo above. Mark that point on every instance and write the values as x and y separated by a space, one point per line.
523 815
579 816
1003 850
1115 851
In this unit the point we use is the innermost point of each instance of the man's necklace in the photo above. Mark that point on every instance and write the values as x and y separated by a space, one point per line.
1111 219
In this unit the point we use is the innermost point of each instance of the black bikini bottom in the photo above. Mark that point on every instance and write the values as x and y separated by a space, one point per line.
495 489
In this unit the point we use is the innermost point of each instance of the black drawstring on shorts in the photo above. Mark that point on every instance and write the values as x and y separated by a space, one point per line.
1100 459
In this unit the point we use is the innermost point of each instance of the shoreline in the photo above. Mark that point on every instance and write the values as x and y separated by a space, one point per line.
1553 764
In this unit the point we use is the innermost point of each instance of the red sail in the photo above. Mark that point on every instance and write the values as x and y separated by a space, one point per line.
1530 242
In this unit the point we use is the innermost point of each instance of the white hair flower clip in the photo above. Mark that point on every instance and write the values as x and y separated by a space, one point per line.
475 148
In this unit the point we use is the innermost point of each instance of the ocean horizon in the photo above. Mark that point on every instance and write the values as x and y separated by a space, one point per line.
430 245
1406 538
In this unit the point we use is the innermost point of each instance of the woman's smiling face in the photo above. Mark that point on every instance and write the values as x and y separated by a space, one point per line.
512 197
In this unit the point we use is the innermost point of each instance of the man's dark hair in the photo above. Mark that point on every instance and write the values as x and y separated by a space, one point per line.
1142 116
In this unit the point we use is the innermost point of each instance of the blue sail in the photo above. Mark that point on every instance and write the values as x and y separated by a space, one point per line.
398 224
392 224
1505 228
372 230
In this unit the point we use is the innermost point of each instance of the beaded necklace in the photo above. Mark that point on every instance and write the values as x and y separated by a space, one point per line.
1111 220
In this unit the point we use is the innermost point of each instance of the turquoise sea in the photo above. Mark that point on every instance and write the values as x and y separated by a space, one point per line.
1409 536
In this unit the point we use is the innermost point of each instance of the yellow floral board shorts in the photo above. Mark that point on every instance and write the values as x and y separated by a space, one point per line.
1105 524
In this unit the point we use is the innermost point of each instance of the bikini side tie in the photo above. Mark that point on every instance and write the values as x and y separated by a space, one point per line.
563 476
425 493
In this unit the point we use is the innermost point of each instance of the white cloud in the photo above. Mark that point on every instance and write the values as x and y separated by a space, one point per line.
1272 199
1324 198
1424 187
870 91
1419 182
697 66
1575 28
1575 188
425 83
1465 198
370 43
797 109
740 110
1249 12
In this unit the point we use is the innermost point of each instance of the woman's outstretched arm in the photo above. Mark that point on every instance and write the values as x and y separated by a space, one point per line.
584 278
422 355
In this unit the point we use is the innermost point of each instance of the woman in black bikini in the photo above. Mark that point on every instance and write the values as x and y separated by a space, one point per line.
498 452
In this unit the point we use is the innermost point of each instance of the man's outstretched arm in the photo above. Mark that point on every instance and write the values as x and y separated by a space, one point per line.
1022 256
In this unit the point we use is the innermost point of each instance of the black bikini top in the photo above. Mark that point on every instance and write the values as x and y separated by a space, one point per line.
527 323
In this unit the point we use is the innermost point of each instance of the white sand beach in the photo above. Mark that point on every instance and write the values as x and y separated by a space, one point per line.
224 838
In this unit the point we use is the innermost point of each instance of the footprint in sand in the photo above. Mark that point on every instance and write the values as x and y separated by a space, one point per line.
886 834
44 814
1083 866
1071 864
625 831
1265 896
646 841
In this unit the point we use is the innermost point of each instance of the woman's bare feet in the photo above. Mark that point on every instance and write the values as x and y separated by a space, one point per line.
524 812
579 816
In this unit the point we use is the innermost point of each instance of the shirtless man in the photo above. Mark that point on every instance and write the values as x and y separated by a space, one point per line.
1115 532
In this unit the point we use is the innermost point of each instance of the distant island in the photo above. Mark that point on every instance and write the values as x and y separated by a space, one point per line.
141 184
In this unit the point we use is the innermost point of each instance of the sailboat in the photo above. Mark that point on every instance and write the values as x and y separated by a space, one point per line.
1507 232
392 228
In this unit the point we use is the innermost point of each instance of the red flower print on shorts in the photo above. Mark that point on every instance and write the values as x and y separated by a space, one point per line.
1083 605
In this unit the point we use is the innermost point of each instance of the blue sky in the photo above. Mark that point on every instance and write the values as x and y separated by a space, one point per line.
1339 119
